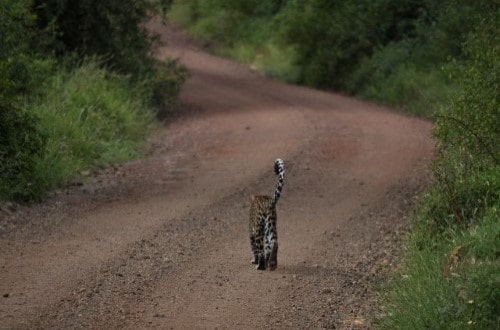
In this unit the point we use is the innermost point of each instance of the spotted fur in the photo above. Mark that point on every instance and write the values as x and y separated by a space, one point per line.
263 233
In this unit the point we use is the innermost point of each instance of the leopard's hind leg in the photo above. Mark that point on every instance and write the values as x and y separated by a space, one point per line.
257 245
271 244
272 260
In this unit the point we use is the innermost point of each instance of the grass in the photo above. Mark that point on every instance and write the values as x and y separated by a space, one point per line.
91 118
449 280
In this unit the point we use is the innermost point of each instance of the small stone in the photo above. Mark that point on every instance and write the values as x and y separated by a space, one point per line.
6 295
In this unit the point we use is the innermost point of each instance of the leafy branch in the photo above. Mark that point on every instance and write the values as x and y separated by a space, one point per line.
484 145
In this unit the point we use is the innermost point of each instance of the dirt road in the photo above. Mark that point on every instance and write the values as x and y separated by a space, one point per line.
162 242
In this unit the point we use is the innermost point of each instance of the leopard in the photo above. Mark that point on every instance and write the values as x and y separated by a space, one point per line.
262 224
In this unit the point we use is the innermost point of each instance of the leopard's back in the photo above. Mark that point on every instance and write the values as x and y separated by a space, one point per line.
260 208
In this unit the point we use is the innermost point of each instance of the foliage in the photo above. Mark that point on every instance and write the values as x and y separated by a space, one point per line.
389 77
20 137
115 32
331 37
20 142
450 276
113 29
468 130
162 6
14 22
163 87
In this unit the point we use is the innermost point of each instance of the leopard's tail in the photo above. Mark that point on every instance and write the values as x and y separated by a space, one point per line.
279 169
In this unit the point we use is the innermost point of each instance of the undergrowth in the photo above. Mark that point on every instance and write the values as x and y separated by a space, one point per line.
90 118
450 277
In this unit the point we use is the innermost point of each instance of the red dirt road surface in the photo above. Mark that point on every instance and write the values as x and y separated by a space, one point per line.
163 242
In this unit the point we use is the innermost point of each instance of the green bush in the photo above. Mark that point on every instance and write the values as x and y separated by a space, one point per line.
113 29
331 37
21 141
91 118
164 86
468 130
20 137
391 76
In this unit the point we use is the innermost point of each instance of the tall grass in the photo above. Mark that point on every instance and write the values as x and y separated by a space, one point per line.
448 282
90 118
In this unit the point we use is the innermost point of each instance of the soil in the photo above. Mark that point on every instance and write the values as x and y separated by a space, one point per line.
162 242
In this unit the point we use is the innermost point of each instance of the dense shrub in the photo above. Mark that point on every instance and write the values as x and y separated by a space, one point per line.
468 130
332 37
114 29
20 137
166 83
21 141
115 32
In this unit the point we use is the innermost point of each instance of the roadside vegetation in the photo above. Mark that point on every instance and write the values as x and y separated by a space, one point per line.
450 277
388 51
79 89
435 59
